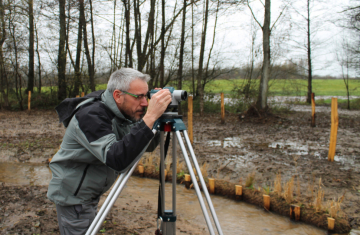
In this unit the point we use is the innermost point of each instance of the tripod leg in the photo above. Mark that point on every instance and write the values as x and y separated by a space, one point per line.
174 179
207 196
196 186
105 204
162 168
109 205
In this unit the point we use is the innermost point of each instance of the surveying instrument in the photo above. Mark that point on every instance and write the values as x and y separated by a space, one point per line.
170 121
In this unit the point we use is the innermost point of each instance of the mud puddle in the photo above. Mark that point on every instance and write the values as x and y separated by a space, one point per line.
307 151
235 217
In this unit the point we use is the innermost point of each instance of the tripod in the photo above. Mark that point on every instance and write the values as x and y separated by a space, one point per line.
168 122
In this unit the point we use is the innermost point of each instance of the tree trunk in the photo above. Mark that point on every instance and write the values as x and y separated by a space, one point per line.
87 51
192 50
92 77
201 60
76 90
3 77
39 62
162 53
262 98
308 99
30 85
16 68
182 45
62 52
128 57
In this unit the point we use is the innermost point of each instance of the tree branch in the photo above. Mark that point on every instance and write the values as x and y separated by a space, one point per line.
254 16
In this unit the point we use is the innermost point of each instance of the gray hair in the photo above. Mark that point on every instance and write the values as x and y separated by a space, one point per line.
121 79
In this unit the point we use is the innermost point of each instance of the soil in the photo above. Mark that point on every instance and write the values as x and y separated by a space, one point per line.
228 152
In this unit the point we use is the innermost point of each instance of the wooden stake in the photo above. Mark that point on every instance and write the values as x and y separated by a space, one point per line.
222 109
187 181
141 170
331 223
266 202
77 96
29 100
238 190
211 185
312 109
165 174
295 212
334 129
190 119
82 94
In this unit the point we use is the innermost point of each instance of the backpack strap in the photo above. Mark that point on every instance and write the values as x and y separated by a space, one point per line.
68 107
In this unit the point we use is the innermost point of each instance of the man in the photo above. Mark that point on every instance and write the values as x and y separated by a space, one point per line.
105 135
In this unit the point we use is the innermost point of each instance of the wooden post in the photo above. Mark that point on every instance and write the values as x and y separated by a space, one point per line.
331 223
82 94
295 212
29 100
141 170
334 129
211 185
222 109
190 119
266 202
238 192
187 181
77 96
312 109
165 174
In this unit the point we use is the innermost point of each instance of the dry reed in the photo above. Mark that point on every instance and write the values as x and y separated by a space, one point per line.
319 198
204 169
249 183
289 190
298 189
277 184
335 207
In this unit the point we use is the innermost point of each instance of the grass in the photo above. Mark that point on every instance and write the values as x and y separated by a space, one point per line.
293 87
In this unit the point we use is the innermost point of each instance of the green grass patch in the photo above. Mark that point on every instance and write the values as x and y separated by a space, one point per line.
290 87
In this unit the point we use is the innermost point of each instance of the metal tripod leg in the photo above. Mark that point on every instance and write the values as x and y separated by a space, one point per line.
168 226
110 200
206 192
196 186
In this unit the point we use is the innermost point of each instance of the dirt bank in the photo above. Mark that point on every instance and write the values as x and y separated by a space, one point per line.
284 143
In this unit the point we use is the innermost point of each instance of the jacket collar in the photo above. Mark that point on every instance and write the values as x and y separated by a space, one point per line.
109 101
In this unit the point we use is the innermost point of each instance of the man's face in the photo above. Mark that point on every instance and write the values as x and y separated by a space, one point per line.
133 108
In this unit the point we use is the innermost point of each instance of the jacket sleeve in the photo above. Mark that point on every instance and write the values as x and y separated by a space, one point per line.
154 143
95 133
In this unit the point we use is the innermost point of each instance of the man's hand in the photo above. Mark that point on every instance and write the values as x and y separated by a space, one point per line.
157 106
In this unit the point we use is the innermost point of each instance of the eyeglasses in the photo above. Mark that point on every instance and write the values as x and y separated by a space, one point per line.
138 97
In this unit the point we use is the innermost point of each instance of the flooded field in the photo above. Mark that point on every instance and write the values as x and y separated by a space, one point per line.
231 152
233 216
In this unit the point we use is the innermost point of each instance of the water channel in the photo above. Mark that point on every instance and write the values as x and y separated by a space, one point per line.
235 217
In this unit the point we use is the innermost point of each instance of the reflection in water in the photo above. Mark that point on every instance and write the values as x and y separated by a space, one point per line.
24 173
234 217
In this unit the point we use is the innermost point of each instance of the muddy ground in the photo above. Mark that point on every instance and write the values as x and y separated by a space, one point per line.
243 145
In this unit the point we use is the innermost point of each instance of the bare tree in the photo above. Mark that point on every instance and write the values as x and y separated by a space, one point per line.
61 63
266 30
201 59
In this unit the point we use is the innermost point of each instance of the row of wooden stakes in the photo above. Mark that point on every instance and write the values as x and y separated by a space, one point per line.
294 209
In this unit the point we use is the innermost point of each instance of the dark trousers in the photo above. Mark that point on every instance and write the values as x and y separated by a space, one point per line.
75 220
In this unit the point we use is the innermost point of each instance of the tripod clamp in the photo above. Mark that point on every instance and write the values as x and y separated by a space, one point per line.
169 122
